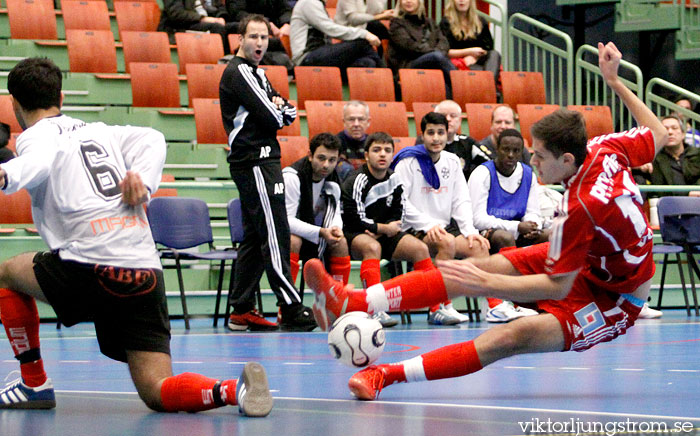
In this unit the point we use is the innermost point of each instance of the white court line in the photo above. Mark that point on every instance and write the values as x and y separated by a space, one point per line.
444 405
683 370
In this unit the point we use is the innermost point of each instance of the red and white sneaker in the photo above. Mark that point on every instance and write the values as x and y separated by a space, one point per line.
368 383
331 297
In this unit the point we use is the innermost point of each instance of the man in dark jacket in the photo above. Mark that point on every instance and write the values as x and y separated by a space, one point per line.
201 15
676 164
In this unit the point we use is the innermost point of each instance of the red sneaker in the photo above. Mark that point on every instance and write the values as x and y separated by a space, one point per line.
251 320
368 383
331 298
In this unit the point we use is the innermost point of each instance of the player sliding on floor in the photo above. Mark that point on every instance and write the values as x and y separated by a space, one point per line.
588 283
88 183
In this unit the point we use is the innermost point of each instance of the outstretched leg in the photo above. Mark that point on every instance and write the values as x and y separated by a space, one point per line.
536 334
190 392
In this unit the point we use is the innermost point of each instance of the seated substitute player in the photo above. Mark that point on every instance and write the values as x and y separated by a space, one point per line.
506 209
589 282
437 208
372 210
88 183
312 196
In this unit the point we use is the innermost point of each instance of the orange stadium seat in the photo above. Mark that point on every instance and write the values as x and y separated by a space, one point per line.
145 47
479 119
32 19
401 142
389 117
292 148
137 16
598 119
318 83
154 85
277 76
420 108
529 114
198 48
7 114
421 85
522 87
324 116
203 80
16 208
234 41
85 15
371 84
91 51
207 121
473 87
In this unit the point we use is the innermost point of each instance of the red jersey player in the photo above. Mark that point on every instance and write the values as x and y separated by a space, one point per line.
588 283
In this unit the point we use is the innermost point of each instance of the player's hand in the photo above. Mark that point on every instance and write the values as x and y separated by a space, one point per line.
609 61
386 15
462 278
371 235
134 192
275 30
478 239
469 60
331 235
373 40
277 101
215 20
284 30
435 235
526 227
647 168
390 229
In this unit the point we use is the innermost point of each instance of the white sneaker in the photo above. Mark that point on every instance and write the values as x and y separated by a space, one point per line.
649 313
442 317
526 311
384 319
504 312
452 311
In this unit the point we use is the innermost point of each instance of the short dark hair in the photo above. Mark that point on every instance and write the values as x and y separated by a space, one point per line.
674 117
36 84
433 118
380 137
327 140
257 18
4 134
563 131
509 132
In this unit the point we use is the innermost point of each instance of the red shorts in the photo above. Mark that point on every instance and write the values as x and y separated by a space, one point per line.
589 314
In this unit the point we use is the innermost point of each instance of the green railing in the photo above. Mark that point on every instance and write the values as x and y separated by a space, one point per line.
500 27
662 105
529 50
592 90
688 37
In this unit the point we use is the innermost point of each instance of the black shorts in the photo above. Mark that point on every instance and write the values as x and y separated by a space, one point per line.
127 305
452 228
388 244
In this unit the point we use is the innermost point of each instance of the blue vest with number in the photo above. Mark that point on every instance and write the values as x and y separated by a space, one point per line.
504 205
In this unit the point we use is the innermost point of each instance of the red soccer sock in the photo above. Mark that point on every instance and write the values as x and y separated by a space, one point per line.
21 321
493 302
190 392
340 268
423 265
294 265
415 290
370 273
446 362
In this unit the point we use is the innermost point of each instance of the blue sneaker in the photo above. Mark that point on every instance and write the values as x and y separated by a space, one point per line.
252 391
17 395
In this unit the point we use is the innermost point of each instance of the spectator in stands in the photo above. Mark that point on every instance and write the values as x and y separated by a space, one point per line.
502 118
202 15
372 210
279 12
5 153
676 164
415 41
470 153
310 37
692 136
365 14
356 121
312 196
437 207
471 44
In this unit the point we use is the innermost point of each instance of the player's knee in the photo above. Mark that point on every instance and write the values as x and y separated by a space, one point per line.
150 395
371 250
501 239
512 338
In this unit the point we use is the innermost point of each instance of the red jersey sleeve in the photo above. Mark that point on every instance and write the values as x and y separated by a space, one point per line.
570 240
636 144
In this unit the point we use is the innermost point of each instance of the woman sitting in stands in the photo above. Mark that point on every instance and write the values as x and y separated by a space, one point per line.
471 44
415 41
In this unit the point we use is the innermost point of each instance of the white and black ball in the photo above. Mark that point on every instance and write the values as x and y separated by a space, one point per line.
356 339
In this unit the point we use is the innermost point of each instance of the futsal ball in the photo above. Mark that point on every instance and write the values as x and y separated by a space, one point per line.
356 339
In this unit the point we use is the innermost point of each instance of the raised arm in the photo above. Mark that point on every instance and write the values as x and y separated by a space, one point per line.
609 62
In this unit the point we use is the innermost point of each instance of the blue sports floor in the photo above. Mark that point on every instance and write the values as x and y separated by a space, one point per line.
648 379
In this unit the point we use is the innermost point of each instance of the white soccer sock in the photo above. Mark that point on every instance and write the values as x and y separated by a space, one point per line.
413 369
376 299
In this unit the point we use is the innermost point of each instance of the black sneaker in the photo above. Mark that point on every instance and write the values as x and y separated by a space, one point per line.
297 319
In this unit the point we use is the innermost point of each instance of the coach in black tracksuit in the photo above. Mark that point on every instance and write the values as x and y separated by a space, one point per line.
252 112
